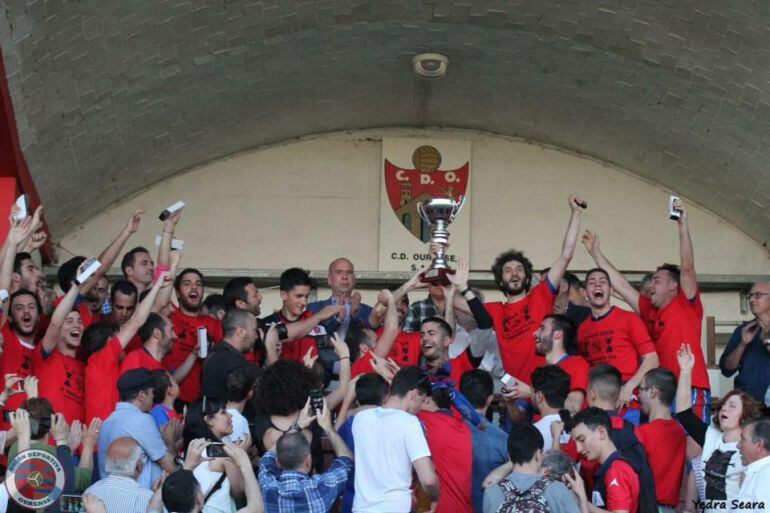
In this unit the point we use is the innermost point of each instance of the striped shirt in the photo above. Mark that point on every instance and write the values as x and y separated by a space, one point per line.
121 494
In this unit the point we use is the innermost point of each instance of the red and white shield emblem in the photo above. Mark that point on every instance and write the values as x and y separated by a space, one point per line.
407 187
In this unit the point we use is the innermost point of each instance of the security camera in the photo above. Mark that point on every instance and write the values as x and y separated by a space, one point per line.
430 65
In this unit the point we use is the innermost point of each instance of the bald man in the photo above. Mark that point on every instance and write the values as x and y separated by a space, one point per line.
748 351
342 280
119 490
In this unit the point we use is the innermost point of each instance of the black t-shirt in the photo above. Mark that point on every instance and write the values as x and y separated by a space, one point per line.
222 360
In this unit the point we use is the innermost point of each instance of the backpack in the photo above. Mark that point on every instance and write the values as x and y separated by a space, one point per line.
531 500
632 451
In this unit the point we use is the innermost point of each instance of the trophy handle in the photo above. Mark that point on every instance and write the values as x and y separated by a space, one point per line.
457 207
421 210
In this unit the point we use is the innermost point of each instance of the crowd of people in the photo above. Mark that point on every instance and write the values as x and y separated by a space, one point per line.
156 396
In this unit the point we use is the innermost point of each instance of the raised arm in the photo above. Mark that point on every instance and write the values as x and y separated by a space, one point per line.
413 283
111 253
17 234
343 353
629 294
390 329
559 267
51 337
169 226
129 329
254 502
688 280
164 296
341 449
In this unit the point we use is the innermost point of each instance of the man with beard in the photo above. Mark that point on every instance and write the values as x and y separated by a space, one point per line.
157 335
19 335
95 298
674 311
555 334
301 324
240 333
520 314
615 336
748 351
243 293
183 361
435 338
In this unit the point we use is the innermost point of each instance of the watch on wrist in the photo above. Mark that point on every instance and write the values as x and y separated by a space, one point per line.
465 291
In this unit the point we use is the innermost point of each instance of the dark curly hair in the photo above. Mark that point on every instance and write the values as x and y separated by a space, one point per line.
508 256
284 388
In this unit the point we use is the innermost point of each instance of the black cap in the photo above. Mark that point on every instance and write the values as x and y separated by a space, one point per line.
135 379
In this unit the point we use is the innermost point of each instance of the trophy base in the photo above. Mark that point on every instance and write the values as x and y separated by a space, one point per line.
437 276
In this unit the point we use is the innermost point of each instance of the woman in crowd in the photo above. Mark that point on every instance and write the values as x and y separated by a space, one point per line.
220 479
721 467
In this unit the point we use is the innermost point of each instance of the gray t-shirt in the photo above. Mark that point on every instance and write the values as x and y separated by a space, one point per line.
557 495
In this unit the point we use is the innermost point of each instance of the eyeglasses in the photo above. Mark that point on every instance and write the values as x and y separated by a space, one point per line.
756 295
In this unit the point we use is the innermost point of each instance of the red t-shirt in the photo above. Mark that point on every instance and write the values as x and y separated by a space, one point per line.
296 349
515 324
449 440
664 443
102 380
137 359
577 368
622 485
16 359
186 329
406 351
61 380
134 343
460 365
618 337
677 323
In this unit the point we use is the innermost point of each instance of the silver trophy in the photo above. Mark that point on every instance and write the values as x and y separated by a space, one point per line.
439 213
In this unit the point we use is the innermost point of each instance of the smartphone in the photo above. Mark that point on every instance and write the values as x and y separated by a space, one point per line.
90 267
4 296
23 203
203 342
216 450
71 503
170 210
673 213
566 417
316 400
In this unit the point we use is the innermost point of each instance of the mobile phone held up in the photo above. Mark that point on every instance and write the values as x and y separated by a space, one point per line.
216 450
316 400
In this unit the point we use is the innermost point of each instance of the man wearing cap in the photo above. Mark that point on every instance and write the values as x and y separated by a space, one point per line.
131 419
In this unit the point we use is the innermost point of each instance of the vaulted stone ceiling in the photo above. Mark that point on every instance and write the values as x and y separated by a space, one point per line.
112 96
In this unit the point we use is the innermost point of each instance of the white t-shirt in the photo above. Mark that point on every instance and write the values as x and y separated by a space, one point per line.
722 471
220 501
240 426
544 426
387 441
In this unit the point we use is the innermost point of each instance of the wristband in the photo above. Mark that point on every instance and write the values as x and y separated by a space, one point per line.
465 291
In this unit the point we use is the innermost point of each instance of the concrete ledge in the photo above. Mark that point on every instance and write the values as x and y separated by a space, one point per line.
380 279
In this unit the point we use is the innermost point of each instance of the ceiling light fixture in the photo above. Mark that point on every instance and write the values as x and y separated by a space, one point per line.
430 65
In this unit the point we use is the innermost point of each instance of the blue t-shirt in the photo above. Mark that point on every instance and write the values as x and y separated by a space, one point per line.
490 450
